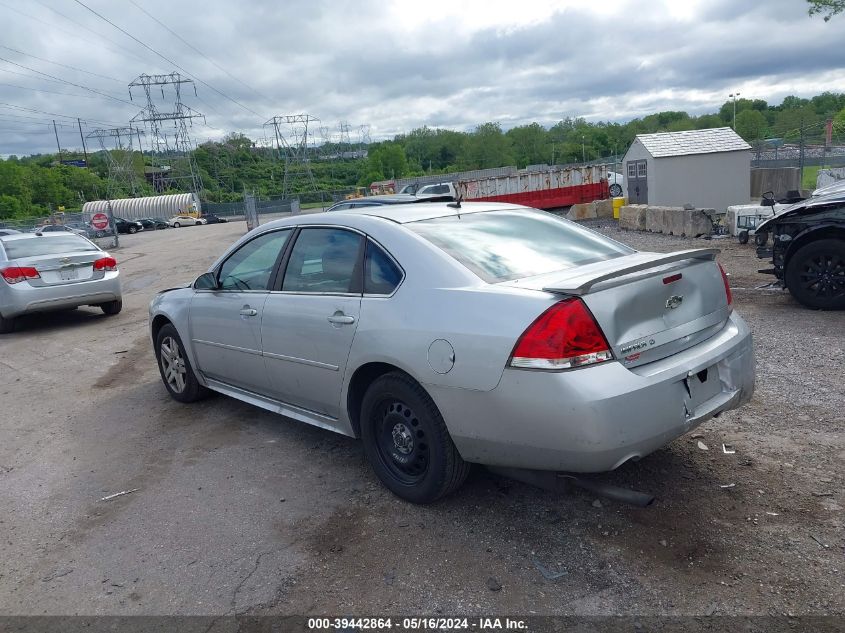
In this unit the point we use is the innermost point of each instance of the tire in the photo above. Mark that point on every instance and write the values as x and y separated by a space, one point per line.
815 274
176 225
7 326
198 224
615 190
742 236
406 441
99 234
133 230
112 307
173 363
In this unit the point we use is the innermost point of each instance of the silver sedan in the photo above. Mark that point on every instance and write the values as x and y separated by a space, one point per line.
449 334
53 271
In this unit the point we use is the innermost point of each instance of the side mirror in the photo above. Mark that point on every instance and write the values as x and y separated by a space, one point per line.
206 281
768 199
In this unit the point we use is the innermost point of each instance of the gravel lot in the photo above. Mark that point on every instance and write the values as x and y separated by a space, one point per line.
241 511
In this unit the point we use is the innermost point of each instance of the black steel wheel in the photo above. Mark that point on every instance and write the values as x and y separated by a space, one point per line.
175 367
815 274
742 236
406 440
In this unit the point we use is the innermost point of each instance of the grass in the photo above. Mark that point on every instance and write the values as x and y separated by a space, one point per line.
810 175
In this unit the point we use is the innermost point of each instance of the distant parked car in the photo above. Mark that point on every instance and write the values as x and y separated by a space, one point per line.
151 224
40 272
9 232
616 182
392 198
128 226
210 218
185 220
61 228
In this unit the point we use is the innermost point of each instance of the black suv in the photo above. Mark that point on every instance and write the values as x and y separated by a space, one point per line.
127 226
808 250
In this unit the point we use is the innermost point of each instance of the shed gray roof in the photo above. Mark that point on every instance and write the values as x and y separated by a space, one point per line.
719 139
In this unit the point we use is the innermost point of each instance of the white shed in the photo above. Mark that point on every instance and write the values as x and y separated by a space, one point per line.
148 207
710 169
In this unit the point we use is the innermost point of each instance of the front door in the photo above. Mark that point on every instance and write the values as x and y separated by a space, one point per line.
309 323
226 322
637 181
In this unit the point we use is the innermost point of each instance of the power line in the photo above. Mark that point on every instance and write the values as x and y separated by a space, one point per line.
15 72
52 92
168 60
114 44
64 116
196 50
102 94
49 61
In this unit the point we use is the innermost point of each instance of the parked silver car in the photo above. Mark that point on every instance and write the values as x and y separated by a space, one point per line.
52 271
446 334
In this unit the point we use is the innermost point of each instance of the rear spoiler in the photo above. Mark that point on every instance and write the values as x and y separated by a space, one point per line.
581 284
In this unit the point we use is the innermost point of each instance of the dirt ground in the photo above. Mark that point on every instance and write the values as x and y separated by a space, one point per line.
239 511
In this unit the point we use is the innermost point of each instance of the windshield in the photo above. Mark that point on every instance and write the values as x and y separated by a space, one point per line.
504 245
53 245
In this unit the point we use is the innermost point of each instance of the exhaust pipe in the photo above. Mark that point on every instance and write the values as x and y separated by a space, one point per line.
559 482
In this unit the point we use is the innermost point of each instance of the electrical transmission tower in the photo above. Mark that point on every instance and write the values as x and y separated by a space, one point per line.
363 140
116 144
168 130
292 136
344 143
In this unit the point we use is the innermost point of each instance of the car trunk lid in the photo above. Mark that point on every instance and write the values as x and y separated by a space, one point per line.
648 305
63 268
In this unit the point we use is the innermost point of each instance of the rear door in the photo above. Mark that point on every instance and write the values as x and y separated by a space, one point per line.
226 323
310 321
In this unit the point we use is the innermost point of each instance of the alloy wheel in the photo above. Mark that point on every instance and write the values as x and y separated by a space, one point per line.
824 275
173 364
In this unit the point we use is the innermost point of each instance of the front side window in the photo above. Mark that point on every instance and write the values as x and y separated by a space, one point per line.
324 261
504 245
251 266
381 274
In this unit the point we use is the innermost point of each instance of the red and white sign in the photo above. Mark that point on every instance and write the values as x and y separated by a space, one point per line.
100 221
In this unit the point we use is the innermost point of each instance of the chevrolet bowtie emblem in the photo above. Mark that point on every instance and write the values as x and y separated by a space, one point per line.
674 301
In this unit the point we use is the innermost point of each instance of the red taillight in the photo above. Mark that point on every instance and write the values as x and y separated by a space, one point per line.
105 263
728 293
17 274
564 336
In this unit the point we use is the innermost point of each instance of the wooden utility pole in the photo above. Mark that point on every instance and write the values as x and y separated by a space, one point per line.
82 138
56 132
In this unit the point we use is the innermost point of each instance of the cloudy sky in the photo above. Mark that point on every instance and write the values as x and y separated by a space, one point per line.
395 65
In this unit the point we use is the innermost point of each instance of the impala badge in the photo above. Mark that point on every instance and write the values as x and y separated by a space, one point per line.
674 301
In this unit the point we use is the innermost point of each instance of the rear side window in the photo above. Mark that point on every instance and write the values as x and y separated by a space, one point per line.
381 274
504 245
324 261
55 244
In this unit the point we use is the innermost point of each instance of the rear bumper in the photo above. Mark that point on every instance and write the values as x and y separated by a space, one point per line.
23 298
595 419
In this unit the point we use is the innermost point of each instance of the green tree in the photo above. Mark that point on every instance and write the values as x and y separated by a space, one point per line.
530 144
826 8
10 207
488 147
751 125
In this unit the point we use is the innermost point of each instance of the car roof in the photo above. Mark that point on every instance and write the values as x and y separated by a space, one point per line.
49 235
418 211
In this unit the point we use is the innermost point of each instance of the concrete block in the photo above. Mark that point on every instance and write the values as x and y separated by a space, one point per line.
674 220
699 223
603 208
632 217
654 219
584 211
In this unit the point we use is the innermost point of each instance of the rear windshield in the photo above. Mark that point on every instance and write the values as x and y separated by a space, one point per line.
504 245
52 245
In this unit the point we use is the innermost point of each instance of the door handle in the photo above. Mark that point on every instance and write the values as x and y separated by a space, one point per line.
248 312
341 319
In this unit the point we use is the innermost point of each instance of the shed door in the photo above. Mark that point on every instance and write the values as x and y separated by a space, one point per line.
637 181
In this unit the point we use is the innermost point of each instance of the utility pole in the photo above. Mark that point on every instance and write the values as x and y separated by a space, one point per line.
56 132
734 96
583 151
801 154
82 138
291 134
